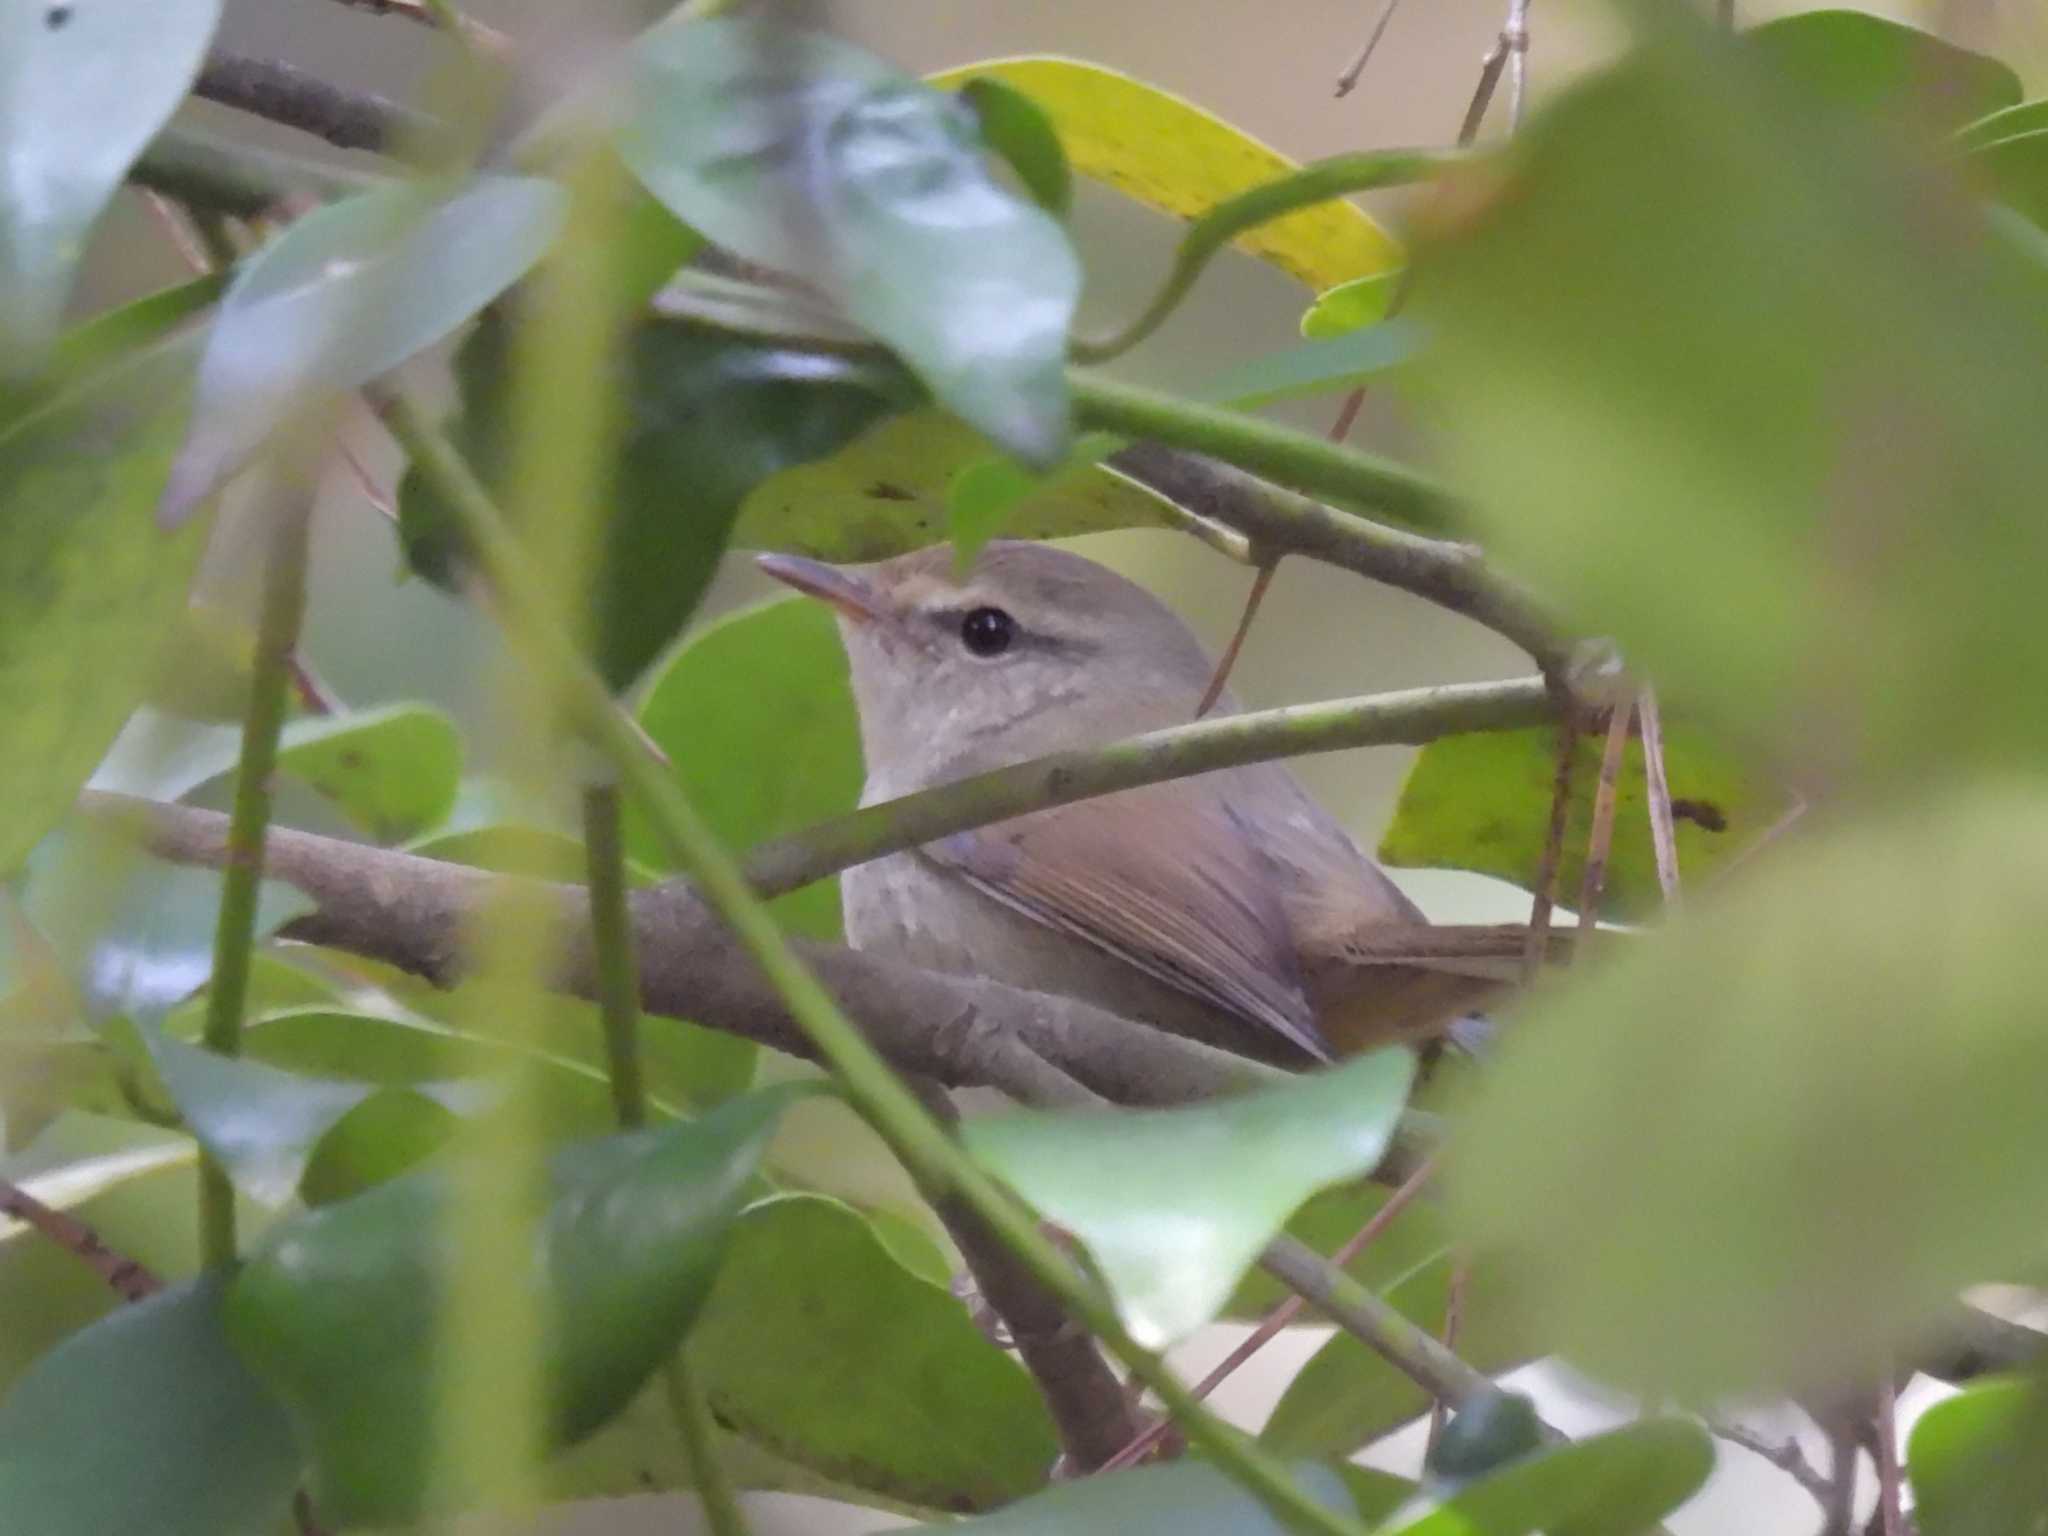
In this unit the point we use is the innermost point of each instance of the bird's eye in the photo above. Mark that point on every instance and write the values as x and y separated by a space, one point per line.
987 631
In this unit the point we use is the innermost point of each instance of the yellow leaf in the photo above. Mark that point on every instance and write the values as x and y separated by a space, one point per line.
1171 155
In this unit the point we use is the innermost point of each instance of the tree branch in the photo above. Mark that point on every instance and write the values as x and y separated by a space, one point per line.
283 93
236 179
125 1277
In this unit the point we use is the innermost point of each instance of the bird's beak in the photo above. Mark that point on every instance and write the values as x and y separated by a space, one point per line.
844 591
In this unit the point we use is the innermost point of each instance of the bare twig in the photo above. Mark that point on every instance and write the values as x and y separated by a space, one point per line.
1657 781
1262 578
1347 412
478 33
1838 1510
1515 35
1349 78
1482 94
1545 884
1786 1455
124 1276
284 93
314 696
1600 838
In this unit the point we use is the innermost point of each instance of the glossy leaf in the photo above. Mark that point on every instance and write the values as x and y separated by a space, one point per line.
769 685
1173 1248
1482 802
1350 306
1169 154
804 153
340 1308
708 418
87 584
146 1421
1822 1018
1617 1484
940 1416
1015 127
1876 65
1783 440
1975 1461
1188 1498
885 493
84 87
1316 367
393 770
345 294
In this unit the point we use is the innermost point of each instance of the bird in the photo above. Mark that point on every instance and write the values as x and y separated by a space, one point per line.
1228 907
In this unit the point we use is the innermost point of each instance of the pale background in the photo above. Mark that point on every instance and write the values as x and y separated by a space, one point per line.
1266 65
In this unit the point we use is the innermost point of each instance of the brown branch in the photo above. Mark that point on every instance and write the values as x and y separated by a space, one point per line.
124 1276
1786 1455
1545 897
1262 579
285 94
1600 839
1348 79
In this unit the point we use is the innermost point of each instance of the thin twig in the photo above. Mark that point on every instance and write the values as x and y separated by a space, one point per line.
1545 884
1262 578
379 499
283 93
1482 95
125 1277
1657 782
481 34
1787 1455
1287 1309
1349 78
1515 34
315 697
1347 411
1838 1511
1600 839
182 239
1454 1322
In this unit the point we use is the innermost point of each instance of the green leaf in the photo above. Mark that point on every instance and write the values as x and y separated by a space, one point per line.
1350 306
1724 393
345 294
1867 63
708 418
1173 1248
206 665
1482 802
1016 127
2016 171
769 685
146 1421
340 1309
1348 1396
1975 1461
1316 367
2006 123
1485 1434
386 1135
1190 1498
1862 1010
984 495
1617 1484
105 339
87 583
84 87
798 151
939 1415
392 770
1171 155
885 493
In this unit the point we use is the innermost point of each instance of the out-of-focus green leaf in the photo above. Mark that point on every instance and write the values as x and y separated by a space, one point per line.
1975 1461
985 494
1173 1248
769 685
84 86
1316 367
1171 155
2016 172
146 1421
1350 306
804 153
206 665
393 770
1482 802
1872 64
940 1416
1617 1484
708 418
1795 498
104 340
87 583
1330 1219
1189 1498
885 493
345 294
339 1310
1017 128
386 1135
1861 1014
1348 1396
1485 1434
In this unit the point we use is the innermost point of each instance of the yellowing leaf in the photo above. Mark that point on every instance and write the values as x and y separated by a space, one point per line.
1171 155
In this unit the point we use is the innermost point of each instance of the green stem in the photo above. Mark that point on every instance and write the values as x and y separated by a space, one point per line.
1312 184
611 932
861 1074
1408 718
700 1448
1301 460
234 937
237 179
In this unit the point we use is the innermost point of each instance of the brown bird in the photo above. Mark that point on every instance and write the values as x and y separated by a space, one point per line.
1229 907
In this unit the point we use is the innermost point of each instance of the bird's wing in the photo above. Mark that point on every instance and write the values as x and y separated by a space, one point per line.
1165 880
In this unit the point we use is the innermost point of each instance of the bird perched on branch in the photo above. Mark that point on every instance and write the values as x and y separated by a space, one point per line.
1229 906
